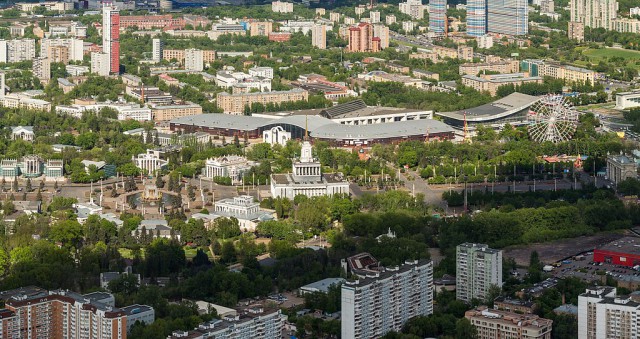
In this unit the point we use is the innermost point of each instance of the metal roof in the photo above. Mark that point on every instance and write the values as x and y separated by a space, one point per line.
508 105
382 131
319 127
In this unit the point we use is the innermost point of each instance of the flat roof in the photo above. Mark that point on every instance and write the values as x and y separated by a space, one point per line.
372 277
628 245
323 285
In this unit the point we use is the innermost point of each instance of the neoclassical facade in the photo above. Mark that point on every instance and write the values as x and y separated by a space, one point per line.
307 179
231 166
149 162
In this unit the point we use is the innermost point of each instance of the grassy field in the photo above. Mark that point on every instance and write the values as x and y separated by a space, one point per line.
595 55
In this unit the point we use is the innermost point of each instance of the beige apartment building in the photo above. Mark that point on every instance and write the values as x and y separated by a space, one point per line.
261 28
504 66
491 324
176 110
235 103
491 83
208 56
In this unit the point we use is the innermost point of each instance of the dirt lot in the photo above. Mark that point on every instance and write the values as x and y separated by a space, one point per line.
557 250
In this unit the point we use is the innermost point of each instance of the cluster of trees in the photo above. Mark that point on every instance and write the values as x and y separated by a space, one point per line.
395 94
314 101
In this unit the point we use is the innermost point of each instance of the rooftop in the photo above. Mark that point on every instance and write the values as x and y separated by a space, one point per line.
629 245
322 285
499 108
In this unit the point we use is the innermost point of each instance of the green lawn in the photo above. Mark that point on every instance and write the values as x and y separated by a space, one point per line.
128 254
595 55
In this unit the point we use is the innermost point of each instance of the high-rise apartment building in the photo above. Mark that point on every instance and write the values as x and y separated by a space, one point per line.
382 32
158 46
412 8
111 36
42 69
100 64
374 16
193 60
361 39
594 13
17 50
319 36
603 314
509 17
62 50
36 313
383 301
282 7
478 267
476 17
261 28
437 16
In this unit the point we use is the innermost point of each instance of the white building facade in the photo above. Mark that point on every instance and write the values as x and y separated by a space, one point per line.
382 302
478 267
231 166
307 179
149 162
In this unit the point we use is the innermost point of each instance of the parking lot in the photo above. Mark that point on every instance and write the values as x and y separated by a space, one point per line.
589 271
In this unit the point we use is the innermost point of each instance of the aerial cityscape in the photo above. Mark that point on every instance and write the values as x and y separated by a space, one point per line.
343 169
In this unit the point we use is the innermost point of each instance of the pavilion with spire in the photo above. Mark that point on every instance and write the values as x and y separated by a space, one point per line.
307 177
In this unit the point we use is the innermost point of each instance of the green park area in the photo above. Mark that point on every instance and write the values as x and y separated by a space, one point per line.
606 54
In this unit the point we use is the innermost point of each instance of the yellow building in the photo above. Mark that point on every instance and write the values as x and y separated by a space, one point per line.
261 28
176 110
491 324
235 103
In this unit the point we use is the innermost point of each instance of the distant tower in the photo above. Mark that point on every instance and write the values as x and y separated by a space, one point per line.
111 36
158 46
2 88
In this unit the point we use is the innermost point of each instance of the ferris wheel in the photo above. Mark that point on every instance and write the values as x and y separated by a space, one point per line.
552 118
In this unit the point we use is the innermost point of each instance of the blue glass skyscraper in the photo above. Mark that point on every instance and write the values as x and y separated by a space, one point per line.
476 17
437 16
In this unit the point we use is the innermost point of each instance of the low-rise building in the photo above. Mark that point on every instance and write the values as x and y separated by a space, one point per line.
621 167
571 74
22 132
175 110
136 313
243 208
628 100
154 229
491 324
307 179
230 166
503 66
514 305
149 162
236 103
491 82
270 323
125 111
321 286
